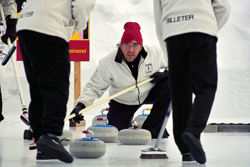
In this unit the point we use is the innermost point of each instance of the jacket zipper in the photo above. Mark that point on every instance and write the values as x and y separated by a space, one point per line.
135 79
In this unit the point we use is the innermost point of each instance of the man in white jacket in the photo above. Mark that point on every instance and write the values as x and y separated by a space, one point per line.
187 31
133 62
44 30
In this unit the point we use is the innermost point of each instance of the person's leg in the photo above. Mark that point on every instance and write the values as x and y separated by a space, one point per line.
121 115
1 105
36 100
181 90
160 97
49 60
203 72
54 85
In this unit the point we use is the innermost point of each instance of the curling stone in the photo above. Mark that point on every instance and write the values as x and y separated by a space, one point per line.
87 147
66 138
134 135
142 117
106 133
103 115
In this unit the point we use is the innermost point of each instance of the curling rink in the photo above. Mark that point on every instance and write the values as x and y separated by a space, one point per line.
222 149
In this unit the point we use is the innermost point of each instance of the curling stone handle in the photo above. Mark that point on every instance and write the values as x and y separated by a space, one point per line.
105 109
89 132
146 109
134 124
101 119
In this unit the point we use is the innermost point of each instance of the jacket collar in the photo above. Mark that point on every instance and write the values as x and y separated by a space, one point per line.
119 55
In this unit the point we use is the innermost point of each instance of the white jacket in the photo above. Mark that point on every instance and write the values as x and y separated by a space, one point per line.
9 8
175 17
55 17
116 75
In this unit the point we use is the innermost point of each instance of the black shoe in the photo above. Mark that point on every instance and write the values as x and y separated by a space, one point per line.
53 146
43 156
187 157
195 147
165 135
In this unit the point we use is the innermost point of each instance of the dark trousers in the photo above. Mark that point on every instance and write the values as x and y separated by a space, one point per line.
121 115
47 67
1 106
192 70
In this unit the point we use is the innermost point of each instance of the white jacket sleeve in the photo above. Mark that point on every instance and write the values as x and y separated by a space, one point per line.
158 24
80 13
9 8
222 10
97 85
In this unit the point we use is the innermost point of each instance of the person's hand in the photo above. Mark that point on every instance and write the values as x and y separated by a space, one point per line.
10 31
78 117
159 76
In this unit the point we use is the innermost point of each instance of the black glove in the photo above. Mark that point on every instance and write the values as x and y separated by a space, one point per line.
10 31
78 117
158 76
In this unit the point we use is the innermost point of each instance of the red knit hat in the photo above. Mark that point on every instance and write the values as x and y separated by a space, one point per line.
132 33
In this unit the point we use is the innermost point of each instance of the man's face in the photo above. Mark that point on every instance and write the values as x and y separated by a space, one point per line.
130 51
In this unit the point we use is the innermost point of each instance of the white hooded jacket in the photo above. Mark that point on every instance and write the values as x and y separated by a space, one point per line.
60 18
115 74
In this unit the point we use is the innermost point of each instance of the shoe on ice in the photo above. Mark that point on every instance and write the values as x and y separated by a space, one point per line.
195 147
52 146
187 157
24 117
43 156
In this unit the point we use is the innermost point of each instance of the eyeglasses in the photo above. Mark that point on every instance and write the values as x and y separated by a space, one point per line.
135 46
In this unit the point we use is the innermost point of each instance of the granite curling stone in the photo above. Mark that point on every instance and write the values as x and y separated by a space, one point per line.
87 147
106 133
66 138
142 117
134 136
103 115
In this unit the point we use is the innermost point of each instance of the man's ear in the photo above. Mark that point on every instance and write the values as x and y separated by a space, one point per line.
118 44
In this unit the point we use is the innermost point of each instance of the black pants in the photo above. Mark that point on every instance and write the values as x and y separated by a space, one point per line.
121 115
47 66
1 106
192 70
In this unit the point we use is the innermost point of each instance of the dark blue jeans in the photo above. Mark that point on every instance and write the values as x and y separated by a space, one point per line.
47 67
121 115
